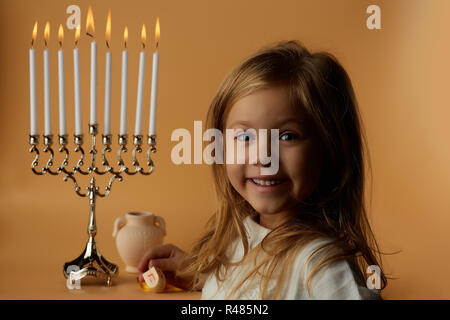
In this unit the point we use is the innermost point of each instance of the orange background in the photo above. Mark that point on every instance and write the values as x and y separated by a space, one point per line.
400 74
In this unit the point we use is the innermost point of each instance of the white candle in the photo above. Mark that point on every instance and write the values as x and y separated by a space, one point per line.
77 93
140 92
61 85
93 83
47 103
107 127
33 108
90 30
123 99
152 125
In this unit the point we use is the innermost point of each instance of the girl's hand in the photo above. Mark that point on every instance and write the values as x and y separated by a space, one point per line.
168 258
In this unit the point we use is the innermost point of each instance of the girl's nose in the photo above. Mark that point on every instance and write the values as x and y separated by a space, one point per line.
264 148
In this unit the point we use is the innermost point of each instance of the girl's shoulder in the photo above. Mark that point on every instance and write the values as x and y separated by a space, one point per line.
339 279
316 249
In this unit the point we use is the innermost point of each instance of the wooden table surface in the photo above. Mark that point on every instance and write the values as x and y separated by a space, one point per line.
48 283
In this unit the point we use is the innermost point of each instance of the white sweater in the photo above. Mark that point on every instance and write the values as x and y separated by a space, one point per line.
335 282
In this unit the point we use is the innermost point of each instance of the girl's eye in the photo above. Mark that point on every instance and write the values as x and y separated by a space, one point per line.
288 136
245 137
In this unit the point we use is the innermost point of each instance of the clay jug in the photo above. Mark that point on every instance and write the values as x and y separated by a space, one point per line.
136 233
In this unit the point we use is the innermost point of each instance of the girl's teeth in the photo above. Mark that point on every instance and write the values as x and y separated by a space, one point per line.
266 182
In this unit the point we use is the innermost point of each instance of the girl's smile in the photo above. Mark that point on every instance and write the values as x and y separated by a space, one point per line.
267 183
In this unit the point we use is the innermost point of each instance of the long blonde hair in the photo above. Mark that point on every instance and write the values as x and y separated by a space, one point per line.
335 210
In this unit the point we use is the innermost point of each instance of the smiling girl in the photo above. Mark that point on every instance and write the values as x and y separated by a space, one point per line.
302 233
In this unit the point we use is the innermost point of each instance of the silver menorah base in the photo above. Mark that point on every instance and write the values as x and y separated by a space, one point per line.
91 262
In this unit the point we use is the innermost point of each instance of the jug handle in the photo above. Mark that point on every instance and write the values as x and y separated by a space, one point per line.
162 224
119 223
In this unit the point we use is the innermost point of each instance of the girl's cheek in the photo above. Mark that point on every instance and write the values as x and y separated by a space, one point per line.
294 162
304 170
236 174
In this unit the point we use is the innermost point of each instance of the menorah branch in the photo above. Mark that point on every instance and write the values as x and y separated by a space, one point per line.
34 140
77 187
106 148
78 139
63 142
108 187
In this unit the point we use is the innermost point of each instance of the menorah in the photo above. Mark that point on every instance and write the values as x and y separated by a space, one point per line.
91 262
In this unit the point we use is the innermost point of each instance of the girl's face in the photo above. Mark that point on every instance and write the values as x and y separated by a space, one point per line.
299 154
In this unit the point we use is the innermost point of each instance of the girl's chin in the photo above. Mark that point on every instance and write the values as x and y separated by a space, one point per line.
265 209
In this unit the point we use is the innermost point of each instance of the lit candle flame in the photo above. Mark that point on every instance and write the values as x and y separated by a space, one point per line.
34 34
125 36
143 35
108 29
47 32
90 29
77 34
60 34
157 32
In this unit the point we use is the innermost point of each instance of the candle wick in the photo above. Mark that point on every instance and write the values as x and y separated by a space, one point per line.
107 44
60 44
143 45
157 44
76 43
32 42
45 42
90 35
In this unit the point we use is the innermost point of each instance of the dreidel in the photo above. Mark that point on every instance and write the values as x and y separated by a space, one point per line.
155 279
